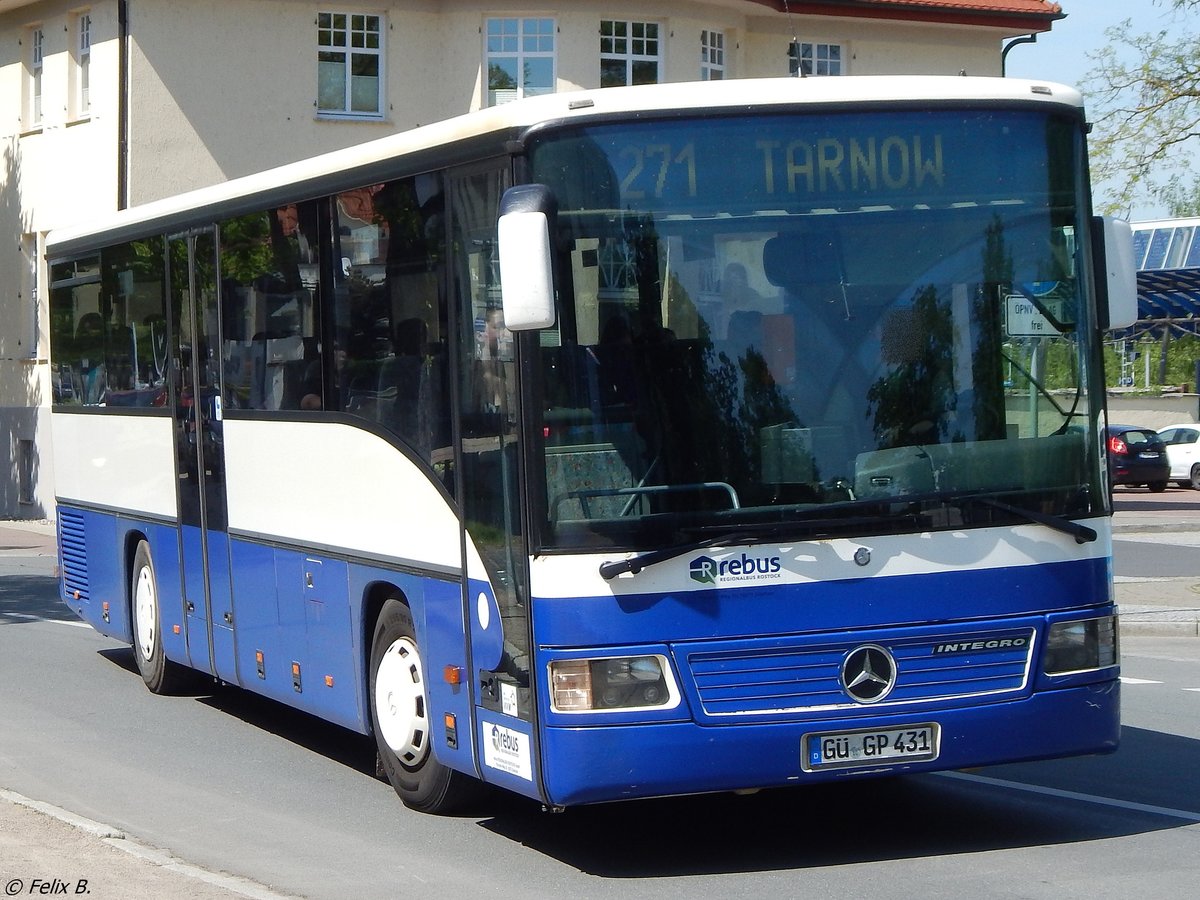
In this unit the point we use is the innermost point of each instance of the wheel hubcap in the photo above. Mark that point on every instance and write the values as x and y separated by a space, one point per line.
146 612
400 702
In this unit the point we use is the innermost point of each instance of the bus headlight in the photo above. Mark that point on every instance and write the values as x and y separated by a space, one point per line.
1081 645
623 682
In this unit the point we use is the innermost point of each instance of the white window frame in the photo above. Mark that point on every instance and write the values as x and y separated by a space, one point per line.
627 41
36 36
83 64
525 42
819 56
30 253
350 36
712 55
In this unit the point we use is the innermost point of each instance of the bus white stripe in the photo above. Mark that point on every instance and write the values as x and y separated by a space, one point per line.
811 562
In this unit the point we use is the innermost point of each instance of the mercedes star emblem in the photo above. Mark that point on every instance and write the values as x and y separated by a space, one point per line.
868 673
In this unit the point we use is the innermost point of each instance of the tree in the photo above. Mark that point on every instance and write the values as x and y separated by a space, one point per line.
1147 112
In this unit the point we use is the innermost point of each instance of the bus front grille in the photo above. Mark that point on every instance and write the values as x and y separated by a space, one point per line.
802 677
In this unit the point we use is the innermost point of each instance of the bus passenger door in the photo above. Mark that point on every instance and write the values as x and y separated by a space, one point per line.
199 453
496 599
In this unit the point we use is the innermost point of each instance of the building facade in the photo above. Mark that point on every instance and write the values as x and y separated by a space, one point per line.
114 103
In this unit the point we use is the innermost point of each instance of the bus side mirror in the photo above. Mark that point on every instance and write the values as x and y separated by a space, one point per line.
1117 272
527 214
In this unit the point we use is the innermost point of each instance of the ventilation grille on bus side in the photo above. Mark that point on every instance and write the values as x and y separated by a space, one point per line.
71 540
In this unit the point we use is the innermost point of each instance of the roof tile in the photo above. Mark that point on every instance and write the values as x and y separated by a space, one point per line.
1028 7
1019 6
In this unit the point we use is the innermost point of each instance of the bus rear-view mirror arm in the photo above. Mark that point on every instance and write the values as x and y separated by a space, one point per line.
527 214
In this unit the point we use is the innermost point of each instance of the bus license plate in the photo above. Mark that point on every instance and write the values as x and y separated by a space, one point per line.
869 747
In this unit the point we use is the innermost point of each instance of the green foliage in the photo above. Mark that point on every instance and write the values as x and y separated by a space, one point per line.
1147 112
1182 354
499 79
914 398
1182 197
246 250
1059 368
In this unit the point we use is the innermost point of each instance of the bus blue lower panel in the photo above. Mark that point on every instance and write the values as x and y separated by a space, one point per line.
595 764
295 630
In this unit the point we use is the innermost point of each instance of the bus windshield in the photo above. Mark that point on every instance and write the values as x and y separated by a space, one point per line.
809 324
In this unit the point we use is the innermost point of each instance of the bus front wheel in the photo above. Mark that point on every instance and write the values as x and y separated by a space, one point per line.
160 674
402 720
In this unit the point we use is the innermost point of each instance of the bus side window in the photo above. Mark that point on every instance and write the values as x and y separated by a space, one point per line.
390 310
270 295
108 326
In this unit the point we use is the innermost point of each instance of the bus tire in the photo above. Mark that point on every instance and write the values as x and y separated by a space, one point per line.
402 720
160 674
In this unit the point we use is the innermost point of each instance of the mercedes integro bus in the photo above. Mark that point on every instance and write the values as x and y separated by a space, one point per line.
619 444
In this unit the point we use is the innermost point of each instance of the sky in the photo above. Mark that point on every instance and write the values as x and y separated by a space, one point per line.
1062 55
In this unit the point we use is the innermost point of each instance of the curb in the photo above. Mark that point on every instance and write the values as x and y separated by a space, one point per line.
1154 527
1160 629
164 859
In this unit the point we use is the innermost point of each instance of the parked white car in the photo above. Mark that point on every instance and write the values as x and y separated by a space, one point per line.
1183 452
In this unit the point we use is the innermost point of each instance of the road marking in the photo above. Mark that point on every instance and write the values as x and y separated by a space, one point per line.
28 618
1185 815
1193 690
1125 680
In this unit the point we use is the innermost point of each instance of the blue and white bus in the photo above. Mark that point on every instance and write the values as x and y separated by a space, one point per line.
619 444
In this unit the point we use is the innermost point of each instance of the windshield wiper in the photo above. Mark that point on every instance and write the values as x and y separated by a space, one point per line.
635 564
1081 533
807 521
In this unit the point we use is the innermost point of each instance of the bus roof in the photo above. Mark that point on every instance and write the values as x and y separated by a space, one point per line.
386 157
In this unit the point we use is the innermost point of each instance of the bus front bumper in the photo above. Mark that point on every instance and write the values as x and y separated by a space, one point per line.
605 763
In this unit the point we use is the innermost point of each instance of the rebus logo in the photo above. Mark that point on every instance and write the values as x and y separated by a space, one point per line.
707 570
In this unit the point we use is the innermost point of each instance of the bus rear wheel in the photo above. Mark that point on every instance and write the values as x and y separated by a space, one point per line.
402 721
160 674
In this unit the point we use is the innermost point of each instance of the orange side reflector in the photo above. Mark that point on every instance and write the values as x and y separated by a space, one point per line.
328 681
175 629
77 595
452 675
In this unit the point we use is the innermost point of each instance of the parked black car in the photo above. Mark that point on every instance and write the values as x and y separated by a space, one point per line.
1137 456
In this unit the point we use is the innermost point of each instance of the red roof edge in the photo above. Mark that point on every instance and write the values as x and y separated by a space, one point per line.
1018 15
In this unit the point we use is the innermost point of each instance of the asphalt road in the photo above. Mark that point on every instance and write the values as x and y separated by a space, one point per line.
231 782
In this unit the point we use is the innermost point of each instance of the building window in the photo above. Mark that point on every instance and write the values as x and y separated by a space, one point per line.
520 58
814 59
712 55
36 40
84 61
29 286
26 454
349 64
629 53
